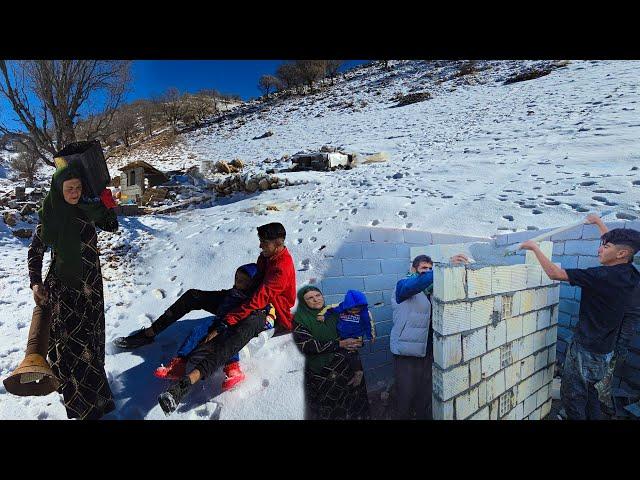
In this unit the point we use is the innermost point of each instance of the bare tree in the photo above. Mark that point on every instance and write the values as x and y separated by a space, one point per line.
311 71
289 74
268 83
148 111
332 69
172 106
125 125
26 164
197 108
51 96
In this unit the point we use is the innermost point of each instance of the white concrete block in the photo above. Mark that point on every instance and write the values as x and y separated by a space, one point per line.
542 395
500 279
534 276
541 359
442 410
482 414
548 374
386 235
518 409
524 390
449 283
447 350
540 300
530 404
552 354
536 381
417 236
512 375
482 393
516 307
554 315
551 336
490 363
479 282
474 344
546 409
544 318
451 318
493 409
514 328
526 301
475 371
466 404
480 313
442 253
496 336
527 367
447 384
495 386
529 321
539 340
511 415
547 249
516 349
553 295
527 346
535 415
519 277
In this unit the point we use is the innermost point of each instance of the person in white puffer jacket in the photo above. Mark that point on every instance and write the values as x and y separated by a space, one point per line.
411 340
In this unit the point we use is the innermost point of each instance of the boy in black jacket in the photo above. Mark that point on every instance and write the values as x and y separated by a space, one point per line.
606 291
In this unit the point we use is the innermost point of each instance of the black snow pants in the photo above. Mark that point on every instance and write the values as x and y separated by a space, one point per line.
210 356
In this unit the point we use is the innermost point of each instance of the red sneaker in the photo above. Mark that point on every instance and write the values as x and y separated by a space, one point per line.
174 371
233 376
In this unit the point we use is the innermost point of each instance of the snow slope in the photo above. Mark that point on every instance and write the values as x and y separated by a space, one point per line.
479 151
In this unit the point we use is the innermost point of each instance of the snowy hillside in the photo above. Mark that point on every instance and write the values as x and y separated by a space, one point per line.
478 158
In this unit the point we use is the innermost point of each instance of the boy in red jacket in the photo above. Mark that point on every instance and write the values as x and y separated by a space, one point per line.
239 326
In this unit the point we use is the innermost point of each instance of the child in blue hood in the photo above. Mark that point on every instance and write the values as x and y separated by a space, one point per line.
354 319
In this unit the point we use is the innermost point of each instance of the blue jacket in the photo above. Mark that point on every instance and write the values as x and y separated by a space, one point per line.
411 316
410 286
357 326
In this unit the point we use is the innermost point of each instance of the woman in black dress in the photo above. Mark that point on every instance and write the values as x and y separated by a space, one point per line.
334 389
72 292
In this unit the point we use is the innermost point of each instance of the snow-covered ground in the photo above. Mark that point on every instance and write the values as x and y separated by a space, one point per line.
478 158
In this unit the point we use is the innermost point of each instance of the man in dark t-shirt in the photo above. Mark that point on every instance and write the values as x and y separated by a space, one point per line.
606 291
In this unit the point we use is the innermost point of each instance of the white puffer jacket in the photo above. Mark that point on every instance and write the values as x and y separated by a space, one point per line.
411 321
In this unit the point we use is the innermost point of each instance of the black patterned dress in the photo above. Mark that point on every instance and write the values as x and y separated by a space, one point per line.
327 395
77 339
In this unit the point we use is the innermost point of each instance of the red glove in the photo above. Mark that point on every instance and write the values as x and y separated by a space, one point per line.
107 199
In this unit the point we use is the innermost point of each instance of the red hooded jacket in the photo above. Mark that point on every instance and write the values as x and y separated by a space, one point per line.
278 287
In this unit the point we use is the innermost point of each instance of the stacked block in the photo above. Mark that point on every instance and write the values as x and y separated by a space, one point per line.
494 341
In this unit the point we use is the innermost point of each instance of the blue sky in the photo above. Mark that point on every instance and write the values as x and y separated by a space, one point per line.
155 76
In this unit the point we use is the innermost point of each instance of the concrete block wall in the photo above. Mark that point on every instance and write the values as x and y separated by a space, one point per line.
372 260
578 248
495 332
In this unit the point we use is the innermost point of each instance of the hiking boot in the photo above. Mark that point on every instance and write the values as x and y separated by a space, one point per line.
174 371
170 399
233 376
135 340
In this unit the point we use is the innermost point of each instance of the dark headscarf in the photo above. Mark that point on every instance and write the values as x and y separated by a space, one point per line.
321 331
61 230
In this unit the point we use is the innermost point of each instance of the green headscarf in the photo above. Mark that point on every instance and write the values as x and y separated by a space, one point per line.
321 331
61 231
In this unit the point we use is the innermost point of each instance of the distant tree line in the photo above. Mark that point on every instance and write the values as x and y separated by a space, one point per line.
299 76
62 101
